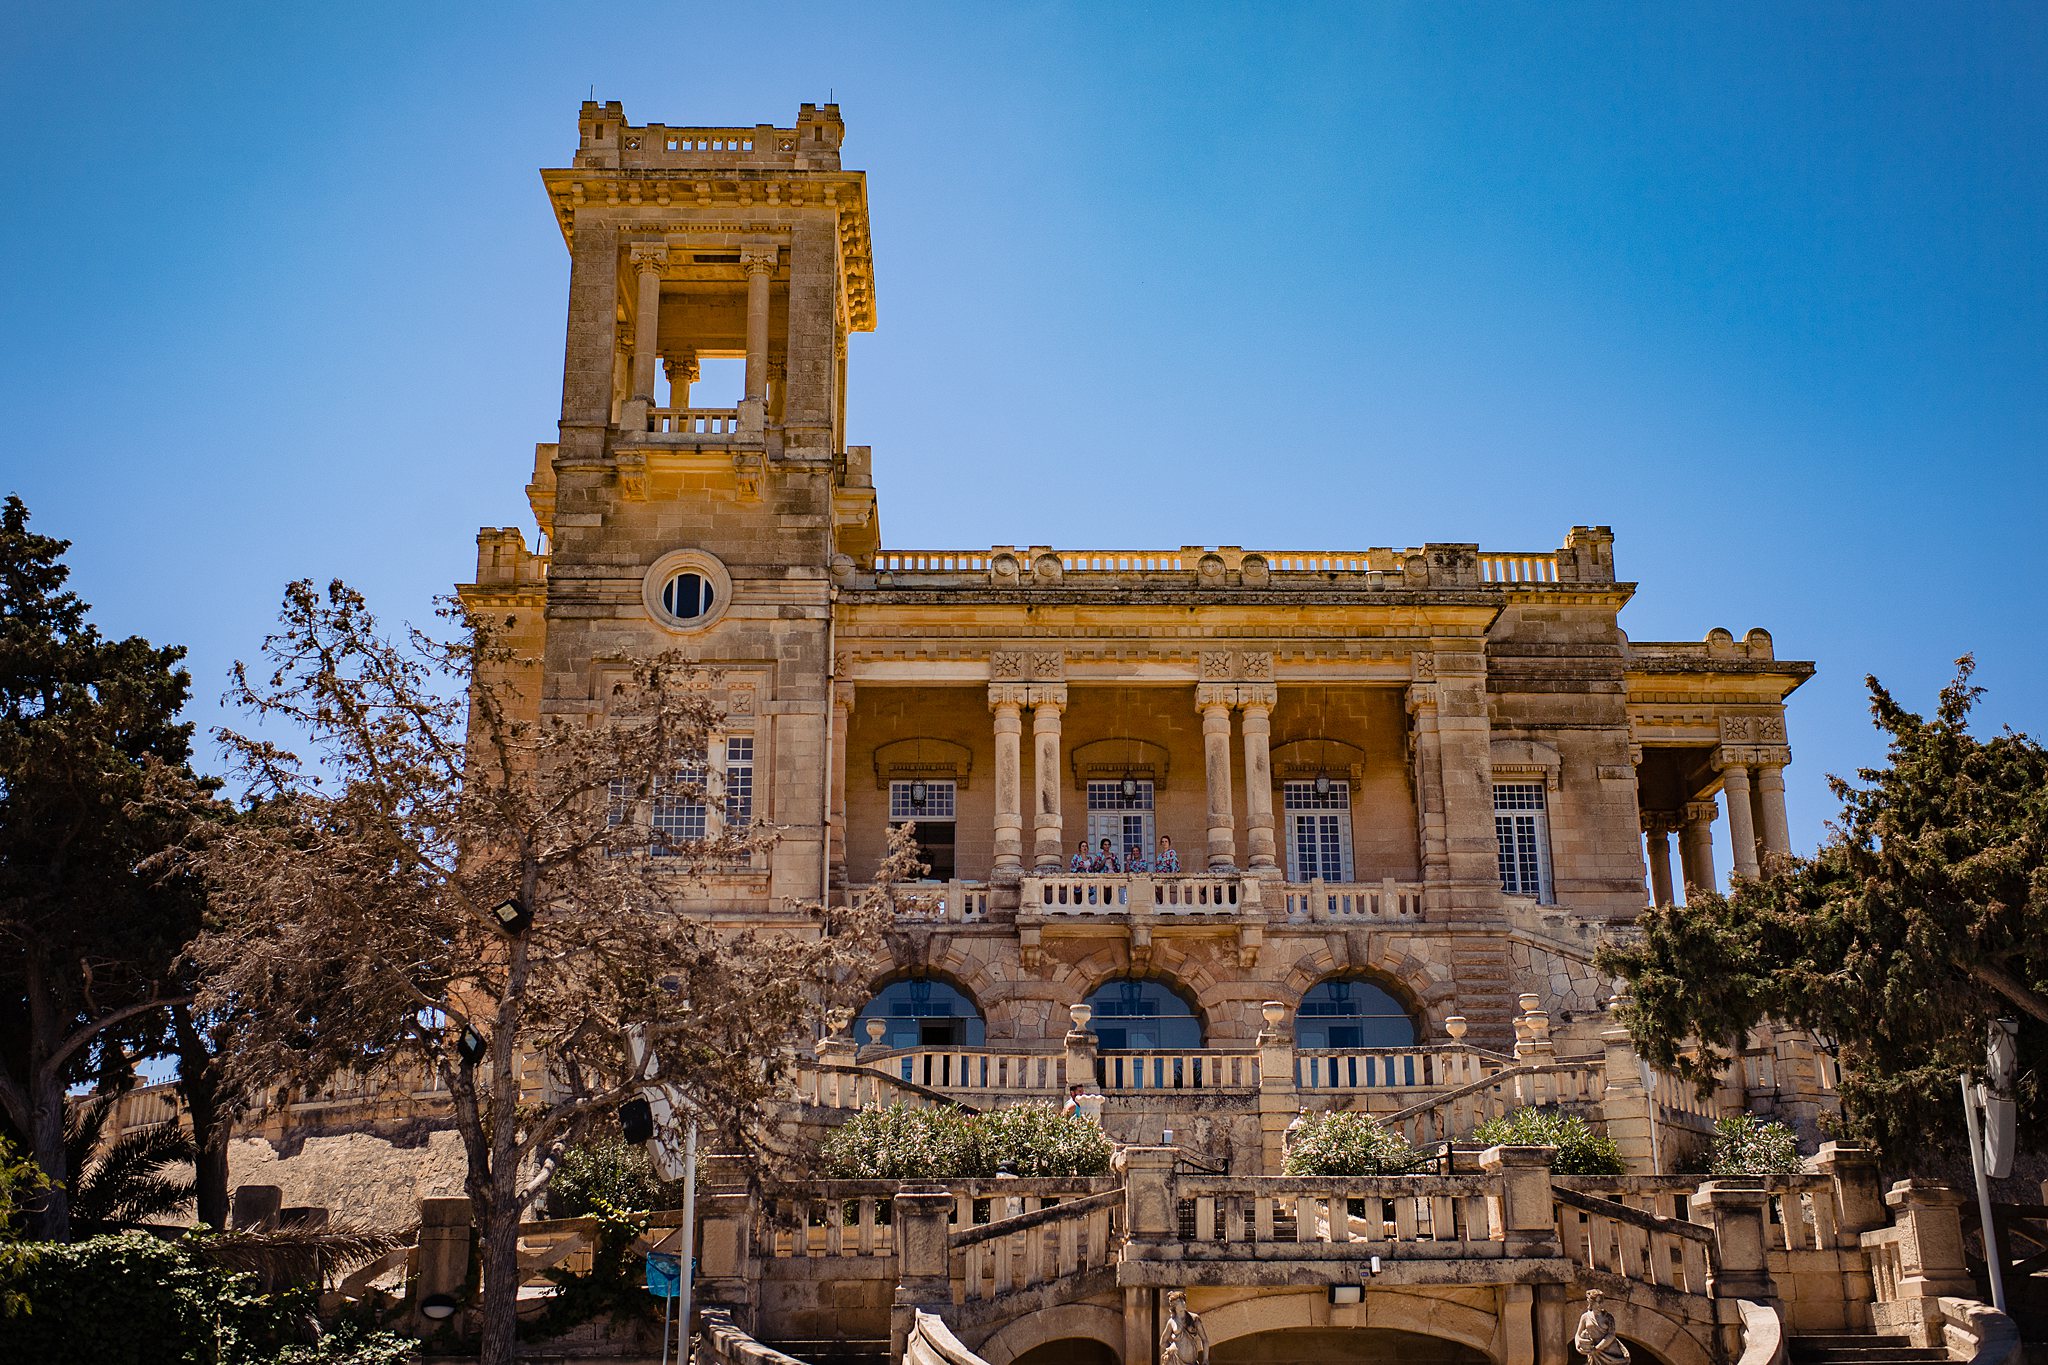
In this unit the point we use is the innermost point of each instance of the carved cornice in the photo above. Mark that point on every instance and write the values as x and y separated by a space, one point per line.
1035 665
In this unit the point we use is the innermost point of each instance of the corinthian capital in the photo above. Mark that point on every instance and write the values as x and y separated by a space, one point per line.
758 260
648 257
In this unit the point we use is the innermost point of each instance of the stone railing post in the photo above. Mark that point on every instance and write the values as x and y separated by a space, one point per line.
1630 1108
1279 1097
1524 1212
1735 1210
1149 1212
1929 1215
725 1250
1080 1069
924 1277
445 1234
1858 1193
255 1207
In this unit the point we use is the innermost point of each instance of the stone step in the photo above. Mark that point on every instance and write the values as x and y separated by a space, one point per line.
1856 1348
849 1351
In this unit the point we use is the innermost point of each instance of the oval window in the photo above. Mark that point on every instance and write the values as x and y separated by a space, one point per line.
687 596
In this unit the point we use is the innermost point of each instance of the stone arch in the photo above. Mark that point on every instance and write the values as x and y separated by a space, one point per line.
1066 1322
1672 1341
1385 1309
1431 997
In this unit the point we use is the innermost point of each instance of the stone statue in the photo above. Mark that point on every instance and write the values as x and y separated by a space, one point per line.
1595 1338
1183 1340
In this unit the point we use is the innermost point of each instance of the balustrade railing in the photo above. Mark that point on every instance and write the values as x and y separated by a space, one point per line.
974 1071
1342 901
1608 1236
1518 568
857 1217
951 902
931 561
1123 561
1030 1246
1159 894
694 421
1454 1114
1253 1216
1338 1069
1210 1070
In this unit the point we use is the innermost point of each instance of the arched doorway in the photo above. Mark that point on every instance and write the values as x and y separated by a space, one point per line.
1343 1346
1069 1351
1138 1013
1352 1012
922 1011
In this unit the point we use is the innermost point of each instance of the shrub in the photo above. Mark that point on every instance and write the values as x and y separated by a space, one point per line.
350 1344
1347 1144
613 1288
1580 1150
1037 1141
613 1173
899 1143
1747 1145
134 1300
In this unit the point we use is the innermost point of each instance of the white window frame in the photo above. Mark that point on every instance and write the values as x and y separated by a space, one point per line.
729 772
1115 817
1521 828
1302 808
941 807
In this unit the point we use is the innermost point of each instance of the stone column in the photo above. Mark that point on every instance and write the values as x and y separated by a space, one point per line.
1428 777
1735 1210
1008 705
647 266
842 725
1080 1063
1770 794
1929 1215
1741 818
1047 831
1258 705
1214 704
778 386
1524 1212
683 371
1279 1100
923 1260
622 367
1696 845
1657 830
759 262
1628 1105
1858 1193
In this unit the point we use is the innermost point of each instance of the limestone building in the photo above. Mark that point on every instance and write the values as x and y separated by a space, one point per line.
1404 785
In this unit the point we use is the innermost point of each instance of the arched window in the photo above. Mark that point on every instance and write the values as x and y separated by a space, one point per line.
1132 1013
922 1012
1347 1012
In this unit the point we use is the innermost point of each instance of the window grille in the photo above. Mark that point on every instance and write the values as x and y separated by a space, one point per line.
675 817
1318 831
1521 824
1126 821
938 801
739 782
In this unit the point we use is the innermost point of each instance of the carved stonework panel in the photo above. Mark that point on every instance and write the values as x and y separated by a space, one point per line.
1255 665
1216 665
1006 664
1046 664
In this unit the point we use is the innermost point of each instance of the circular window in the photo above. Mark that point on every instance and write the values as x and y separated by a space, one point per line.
687 590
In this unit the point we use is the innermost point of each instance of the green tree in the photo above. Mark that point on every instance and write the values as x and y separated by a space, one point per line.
1922 917
86 933
1580 1150
1347 1143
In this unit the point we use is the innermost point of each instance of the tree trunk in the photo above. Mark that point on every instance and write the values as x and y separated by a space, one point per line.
501 1273
199 1081
50 1219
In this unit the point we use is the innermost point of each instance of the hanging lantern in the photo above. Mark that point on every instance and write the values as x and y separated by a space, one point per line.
1322 784
917 794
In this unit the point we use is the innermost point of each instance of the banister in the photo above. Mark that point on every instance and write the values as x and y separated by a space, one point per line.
1037 1218
1622 1213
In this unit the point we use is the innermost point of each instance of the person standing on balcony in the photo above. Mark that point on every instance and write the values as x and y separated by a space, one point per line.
1105 861
1166 860
1134 860
1083 861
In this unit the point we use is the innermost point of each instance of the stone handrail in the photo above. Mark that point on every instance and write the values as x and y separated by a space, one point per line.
951 902
1518 568
1444 1117
856 1217
1427 1215
1347 901
863 1087
1763 1334
726 1344
1388 1068
933 1343
1606 1236
979 1071
1977 1333
1027 1249
1210 1069
1191 893
694 421
357 1283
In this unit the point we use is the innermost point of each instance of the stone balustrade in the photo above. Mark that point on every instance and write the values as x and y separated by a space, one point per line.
1119 1072
1397 1068
947 902
1098 894
1584 559
694 421
1342 902
973 1072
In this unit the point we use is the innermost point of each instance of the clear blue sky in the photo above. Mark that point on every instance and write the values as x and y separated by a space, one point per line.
1763 287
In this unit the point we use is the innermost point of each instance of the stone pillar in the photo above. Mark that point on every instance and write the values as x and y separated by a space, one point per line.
924 1274
1008 705
1628 1105
842 725
1279 1100
1260 846
443 1253
1770 796
255 1208
1428 777
622 367
1150 1214
759 263
1657 831
778 386
1929 1215
1741 818
1080 1067
725 1251
683 371
647 266
1696 845
1524 1212
1047 830
1735 1210
1858 1193
1214 704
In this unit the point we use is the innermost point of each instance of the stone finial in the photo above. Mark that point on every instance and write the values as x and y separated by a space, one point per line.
876 1028
837 1021
1273 1011
1080 1014
1455 1025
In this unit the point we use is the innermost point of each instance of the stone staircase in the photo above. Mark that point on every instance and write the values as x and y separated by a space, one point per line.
1857 1348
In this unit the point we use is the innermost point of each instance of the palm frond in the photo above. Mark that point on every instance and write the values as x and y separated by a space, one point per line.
298 1253
129 1183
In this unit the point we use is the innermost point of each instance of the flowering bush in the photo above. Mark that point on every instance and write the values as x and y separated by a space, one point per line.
1347 1144
1747 1145
611 1172
1580 1150
899 1143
